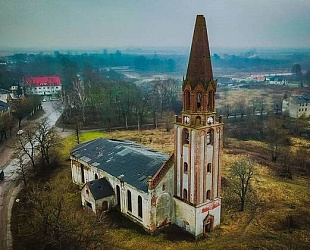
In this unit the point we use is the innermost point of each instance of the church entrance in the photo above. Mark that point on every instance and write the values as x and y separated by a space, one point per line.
208 224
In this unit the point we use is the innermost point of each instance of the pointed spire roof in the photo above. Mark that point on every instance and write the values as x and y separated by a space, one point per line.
199 66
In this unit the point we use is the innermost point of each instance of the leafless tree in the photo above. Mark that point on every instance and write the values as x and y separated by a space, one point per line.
26 143
81 97
241 106
47 138
241 174
21 166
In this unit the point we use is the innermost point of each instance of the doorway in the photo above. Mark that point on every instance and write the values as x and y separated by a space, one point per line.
208 224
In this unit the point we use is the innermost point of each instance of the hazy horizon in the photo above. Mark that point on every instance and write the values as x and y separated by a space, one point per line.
81 24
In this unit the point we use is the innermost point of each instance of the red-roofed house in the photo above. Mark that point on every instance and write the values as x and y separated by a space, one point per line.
42 85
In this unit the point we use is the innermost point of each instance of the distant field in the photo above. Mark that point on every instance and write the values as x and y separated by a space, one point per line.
264 224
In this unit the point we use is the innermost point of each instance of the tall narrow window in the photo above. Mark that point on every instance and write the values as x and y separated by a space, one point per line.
185 167
209 168
82 173
96 176
185 194
209 138
198 120
118 196
187 102
129 206
211 100
208 195
198 100
186 136
140 206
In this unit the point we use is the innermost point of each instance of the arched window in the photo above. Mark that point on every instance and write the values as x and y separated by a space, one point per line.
187 102
209 137
185 167
185 194
140 206
208 195
82 173
198 120
209 168
129 206
211 100
96 176
185 136
118 196
199 100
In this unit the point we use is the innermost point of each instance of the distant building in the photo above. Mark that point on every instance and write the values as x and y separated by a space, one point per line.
297 106
152 188
4 108
4 95
43 85
276 80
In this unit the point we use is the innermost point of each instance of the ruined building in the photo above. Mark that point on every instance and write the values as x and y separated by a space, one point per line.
152 188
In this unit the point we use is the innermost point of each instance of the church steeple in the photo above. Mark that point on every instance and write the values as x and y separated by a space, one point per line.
198 143
199 66
199 87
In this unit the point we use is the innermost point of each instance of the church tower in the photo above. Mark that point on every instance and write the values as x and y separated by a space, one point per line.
198 143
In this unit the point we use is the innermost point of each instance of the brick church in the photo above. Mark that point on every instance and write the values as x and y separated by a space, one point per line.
154 189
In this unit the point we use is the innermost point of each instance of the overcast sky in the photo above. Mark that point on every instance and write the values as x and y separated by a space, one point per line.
122 23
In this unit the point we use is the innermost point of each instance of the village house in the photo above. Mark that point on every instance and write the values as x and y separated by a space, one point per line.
154 189
4 95
4 108
47 86
297 106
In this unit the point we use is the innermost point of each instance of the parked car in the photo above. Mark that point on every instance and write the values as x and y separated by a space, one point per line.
1 175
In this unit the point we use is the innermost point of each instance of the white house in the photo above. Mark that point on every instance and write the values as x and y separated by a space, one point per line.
297 106
43 85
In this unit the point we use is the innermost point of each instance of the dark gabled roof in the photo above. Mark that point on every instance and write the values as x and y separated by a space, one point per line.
199 68
301 99
3 106
100 188
125 160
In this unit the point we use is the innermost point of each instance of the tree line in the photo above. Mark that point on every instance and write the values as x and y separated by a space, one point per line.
107 104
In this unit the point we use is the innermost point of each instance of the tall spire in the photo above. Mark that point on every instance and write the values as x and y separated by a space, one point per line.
199 66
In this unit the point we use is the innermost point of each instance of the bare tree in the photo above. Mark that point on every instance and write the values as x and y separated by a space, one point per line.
26 144
47 138
241 106
241 174
21 166
80 93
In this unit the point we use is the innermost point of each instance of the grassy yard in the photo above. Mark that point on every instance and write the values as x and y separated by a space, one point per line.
278 216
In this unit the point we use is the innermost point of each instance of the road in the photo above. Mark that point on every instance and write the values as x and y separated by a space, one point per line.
11 184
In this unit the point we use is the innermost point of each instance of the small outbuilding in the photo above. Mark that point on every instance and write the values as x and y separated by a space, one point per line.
98 195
